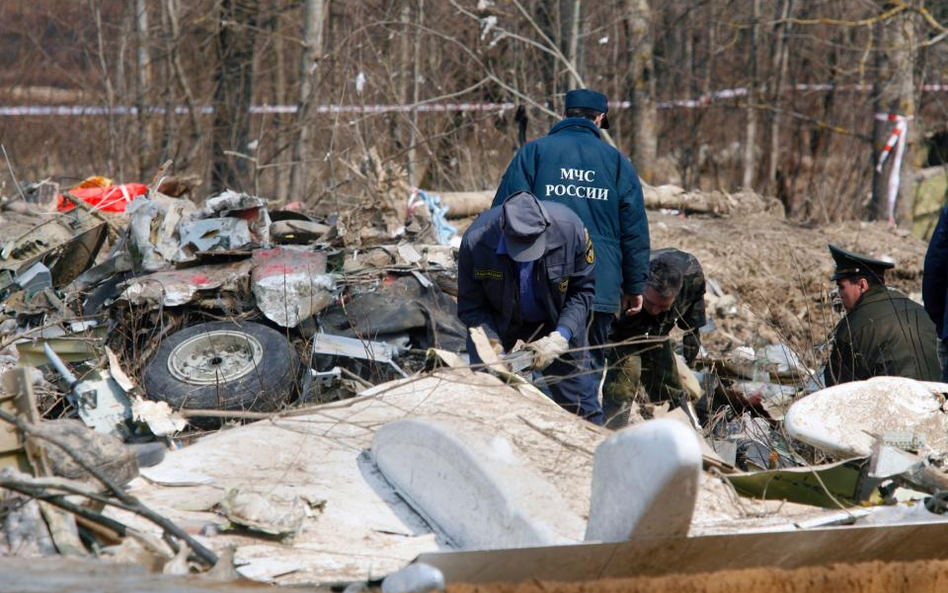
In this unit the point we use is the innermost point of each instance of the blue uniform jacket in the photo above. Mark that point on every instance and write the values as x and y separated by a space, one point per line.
935 276
488 282
573 166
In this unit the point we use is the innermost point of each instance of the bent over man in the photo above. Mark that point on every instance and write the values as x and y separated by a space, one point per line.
526 272
674 296
883 332
573 166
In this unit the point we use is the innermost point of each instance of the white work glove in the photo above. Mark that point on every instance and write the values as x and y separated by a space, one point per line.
547 349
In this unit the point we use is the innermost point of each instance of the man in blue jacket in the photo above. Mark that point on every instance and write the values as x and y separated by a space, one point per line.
573 166
935 286
526 272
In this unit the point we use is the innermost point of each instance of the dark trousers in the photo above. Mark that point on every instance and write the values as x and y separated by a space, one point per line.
943 357
598 334
570 380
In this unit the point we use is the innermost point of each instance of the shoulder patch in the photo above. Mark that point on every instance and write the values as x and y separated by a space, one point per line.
488 275
590 252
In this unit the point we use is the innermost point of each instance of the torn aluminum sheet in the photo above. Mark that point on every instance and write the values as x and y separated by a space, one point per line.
380 352
264 514
774 398
71 347
298 231
825 486
17 398
402 255
916 471
844 420
266 570
100 401
34 279
244 206
178 287
153 230
23 532
291 285
67 244
214 234
118 374
783 361
159 416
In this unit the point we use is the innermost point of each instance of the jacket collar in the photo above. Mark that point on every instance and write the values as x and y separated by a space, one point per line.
576 123
879 292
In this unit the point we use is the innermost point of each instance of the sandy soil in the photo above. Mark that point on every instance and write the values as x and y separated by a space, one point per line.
872 577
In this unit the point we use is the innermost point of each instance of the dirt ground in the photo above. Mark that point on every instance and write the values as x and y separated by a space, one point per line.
871 577
780 271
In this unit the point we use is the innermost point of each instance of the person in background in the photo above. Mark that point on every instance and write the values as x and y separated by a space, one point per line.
935 287
674 296
883 333
573 166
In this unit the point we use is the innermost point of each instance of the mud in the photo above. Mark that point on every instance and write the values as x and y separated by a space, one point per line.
871 577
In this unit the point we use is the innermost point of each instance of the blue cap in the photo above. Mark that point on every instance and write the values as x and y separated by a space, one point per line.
524 223
590 100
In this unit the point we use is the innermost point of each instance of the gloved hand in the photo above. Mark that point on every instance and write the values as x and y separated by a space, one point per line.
547 349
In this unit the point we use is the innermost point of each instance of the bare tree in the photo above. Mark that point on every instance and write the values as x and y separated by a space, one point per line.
779 60
314 15
753 96
142 84
894 104
233 90
641 85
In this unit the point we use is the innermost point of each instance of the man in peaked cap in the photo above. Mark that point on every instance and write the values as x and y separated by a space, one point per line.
526 272
573 166
883 332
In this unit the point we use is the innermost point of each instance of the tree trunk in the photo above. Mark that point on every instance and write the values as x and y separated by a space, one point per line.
779 65
413 179
641 85
111 157
313 17
142 84
232 93
571 38
753 96
894 94
278 79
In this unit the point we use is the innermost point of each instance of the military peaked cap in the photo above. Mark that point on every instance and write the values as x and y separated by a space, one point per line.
849 263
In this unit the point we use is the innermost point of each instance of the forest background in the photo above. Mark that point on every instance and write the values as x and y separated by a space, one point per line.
309 99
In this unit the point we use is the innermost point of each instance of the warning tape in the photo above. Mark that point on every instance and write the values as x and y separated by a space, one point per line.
896 139
689 103
98 110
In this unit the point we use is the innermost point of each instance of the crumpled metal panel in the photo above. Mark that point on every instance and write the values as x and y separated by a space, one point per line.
153 236
243 206
178 287
291 285
214 233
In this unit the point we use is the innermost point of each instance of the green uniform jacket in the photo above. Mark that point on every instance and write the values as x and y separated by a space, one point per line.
886 334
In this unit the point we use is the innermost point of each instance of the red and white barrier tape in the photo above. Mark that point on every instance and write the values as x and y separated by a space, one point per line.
692 103
896 139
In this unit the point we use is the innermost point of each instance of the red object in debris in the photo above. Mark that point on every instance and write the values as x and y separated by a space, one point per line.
108 199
